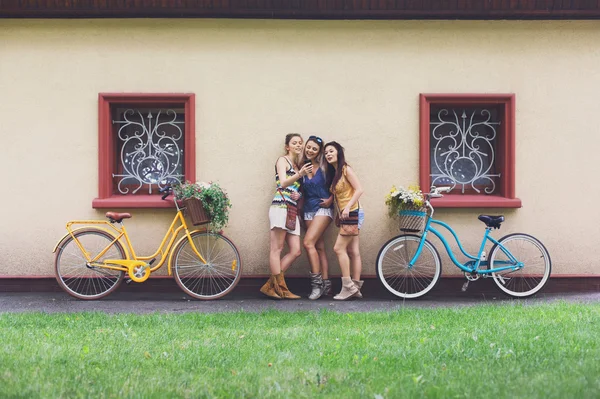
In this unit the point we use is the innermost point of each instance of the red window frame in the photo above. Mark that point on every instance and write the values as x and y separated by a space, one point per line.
107 148
505 198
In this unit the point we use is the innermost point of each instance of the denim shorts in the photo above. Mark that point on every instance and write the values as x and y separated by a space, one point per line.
361 217
319 212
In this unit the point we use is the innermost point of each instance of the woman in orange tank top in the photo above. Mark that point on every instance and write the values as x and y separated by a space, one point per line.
346 189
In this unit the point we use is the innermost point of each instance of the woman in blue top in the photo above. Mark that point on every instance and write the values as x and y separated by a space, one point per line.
317 216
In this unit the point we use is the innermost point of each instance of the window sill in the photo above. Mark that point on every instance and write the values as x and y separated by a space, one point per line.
133 201
475 201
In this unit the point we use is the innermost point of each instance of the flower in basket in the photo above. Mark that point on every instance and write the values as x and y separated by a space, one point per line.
214 199
404 198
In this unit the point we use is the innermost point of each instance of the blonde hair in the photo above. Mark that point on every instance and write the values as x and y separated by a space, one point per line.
321 157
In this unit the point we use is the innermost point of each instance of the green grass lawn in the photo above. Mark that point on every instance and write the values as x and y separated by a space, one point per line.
489 351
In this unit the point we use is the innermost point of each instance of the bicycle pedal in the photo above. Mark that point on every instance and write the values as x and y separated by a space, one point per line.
128 281
152 261
465 286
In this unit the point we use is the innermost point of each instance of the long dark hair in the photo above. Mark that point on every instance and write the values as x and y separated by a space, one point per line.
334 175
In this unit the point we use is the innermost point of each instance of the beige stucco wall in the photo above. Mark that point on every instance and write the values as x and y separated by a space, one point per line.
354 82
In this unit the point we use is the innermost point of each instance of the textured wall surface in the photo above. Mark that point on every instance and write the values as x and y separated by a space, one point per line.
354 82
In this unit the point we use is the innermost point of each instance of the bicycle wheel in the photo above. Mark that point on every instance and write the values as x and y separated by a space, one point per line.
532 253
397 277
76 277
214 279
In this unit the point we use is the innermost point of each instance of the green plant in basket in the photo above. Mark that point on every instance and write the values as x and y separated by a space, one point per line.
404 198
214 199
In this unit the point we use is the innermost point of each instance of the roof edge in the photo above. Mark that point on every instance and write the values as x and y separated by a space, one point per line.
304 9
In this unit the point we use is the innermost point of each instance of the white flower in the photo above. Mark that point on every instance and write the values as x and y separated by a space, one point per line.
407 195
203 184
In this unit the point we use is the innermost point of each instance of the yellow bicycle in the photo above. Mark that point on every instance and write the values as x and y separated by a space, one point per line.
91 261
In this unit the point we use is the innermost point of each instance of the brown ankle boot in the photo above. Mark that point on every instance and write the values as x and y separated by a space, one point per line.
271 289
348 290
285 292
358 284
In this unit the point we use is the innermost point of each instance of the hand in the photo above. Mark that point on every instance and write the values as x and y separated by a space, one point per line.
306 169
326 202
295 196
345 213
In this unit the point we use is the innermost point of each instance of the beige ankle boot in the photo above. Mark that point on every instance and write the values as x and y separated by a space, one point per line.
285 292
271 289
358 284
348 289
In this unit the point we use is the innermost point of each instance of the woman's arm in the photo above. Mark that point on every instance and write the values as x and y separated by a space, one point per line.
326 202
281 172
353 180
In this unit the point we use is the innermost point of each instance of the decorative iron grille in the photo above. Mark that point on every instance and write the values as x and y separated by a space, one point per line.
463 148
150 143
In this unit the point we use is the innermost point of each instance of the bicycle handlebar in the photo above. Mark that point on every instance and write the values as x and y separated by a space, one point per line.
436 192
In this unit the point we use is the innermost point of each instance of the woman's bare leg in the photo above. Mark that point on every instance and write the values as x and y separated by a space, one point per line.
341 250
293 242
323 258
277 239
314 233
355 259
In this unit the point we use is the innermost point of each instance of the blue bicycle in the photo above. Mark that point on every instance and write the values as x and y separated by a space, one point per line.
409 265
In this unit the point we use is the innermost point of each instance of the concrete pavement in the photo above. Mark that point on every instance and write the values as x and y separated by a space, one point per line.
174 302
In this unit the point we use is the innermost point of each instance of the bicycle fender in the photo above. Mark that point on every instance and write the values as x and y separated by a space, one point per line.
66 236
60 242
169 267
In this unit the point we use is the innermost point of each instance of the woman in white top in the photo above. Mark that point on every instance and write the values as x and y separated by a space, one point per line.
287 178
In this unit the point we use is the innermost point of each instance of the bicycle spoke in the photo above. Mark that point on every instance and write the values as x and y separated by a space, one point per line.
529 252
213 279
72 270
398 276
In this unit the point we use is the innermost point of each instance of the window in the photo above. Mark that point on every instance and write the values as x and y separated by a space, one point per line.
145 142
467 142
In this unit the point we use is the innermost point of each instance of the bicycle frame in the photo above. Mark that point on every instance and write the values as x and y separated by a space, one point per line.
471 266
133 260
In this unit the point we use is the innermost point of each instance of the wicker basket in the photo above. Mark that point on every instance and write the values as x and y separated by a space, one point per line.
412 219
196 211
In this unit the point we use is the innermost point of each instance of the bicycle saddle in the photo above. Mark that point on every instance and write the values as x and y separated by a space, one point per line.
117 217
492 221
